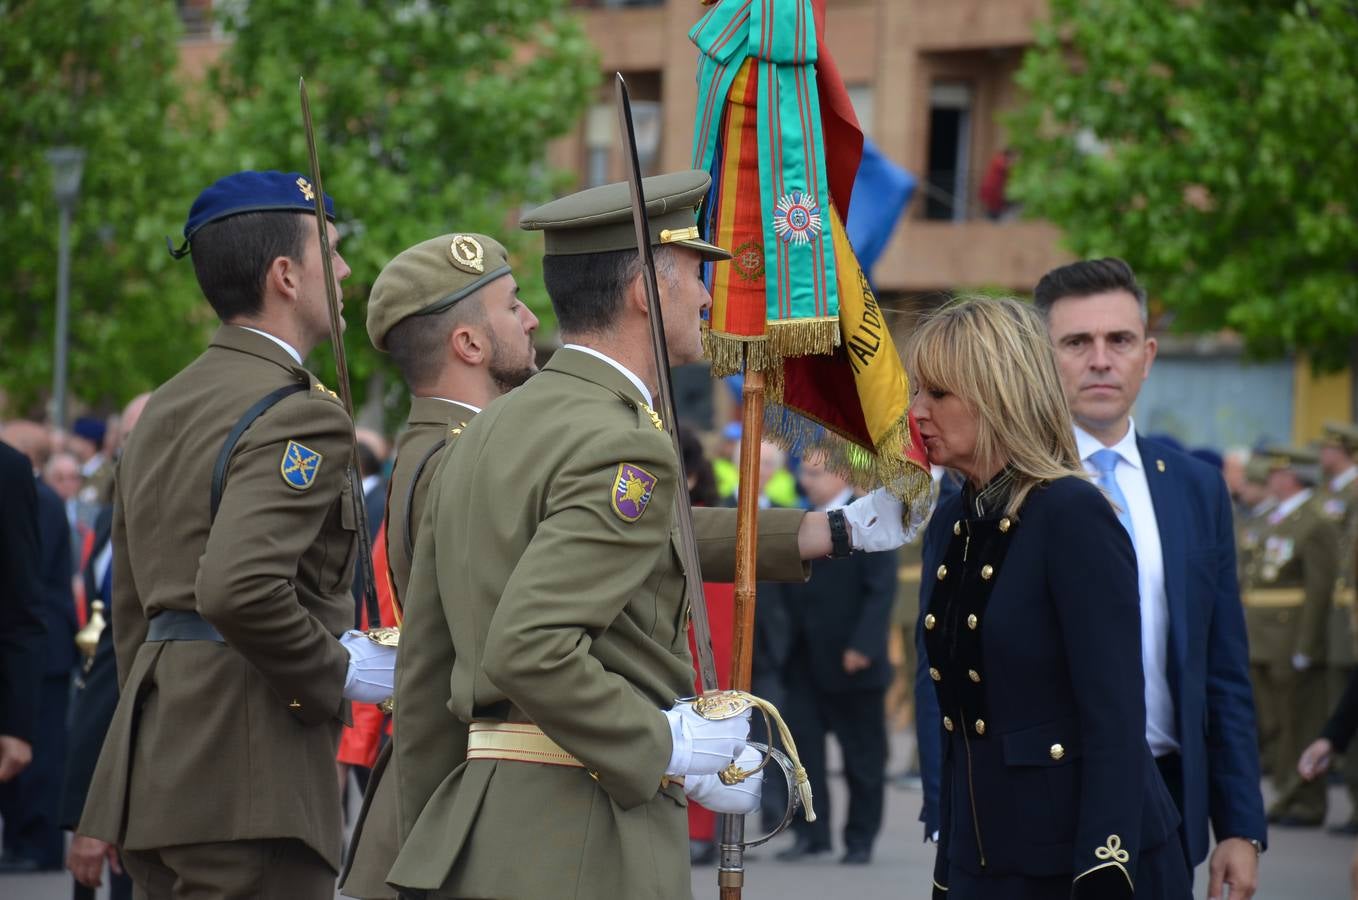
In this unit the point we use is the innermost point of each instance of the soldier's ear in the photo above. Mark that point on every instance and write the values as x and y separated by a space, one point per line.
469 345
282 277
634 297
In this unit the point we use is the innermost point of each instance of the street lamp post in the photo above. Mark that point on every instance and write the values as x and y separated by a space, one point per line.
67 164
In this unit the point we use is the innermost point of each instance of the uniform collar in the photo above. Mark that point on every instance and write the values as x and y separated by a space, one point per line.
991 499
257 343
1343 479
628 373
1290 505
591 365
292 351
1087 445
438 410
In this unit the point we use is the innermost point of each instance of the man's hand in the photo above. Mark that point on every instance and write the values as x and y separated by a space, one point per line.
1315 759
15 755
1234 862
855 661
85 860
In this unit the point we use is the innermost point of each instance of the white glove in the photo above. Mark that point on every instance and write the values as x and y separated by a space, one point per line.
1301 662
877 522
704 746
737 799
372 669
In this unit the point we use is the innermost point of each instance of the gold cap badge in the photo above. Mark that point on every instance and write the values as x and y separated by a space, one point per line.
305 187
468 254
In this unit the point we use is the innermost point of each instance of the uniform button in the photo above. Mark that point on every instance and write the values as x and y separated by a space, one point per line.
987 572
974 675
1058 751
972 621
957 527
930 622
942 572
980 726
935 674
294 705
947 723
1004 525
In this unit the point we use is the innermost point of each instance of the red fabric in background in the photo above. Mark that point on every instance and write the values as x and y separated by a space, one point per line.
360 742
721 614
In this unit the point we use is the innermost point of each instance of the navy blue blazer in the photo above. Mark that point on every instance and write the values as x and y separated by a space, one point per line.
1208 650
22 632
1032 627
56 601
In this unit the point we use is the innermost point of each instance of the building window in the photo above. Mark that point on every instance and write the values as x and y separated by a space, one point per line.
602 146
947 184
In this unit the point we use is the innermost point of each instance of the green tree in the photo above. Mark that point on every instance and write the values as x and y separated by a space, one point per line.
430 117
100 75
1212 145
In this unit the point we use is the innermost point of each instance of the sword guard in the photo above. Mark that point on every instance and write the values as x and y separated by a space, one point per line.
719 705
387 636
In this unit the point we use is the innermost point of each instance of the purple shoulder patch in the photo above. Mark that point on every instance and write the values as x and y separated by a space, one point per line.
632 489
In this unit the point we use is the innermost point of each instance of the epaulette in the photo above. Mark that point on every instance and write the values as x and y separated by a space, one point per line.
318 386
644 411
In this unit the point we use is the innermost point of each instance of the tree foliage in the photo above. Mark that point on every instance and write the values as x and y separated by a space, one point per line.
430 117
99 75
1212 146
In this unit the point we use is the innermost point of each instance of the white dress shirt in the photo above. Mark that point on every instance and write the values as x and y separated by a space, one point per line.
292 351
1161 732
475 409
631 376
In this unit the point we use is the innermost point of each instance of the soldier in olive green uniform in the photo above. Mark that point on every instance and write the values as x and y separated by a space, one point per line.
1288 593
449 313
1256 504
1339 501
547 607
234 547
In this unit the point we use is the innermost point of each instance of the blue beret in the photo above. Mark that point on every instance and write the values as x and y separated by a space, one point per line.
90 429
246 192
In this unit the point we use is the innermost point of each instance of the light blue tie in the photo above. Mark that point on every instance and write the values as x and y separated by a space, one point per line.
1106 461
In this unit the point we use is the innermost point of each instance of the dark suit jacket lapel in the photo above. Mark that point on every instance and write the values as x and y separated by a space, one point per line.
1165 498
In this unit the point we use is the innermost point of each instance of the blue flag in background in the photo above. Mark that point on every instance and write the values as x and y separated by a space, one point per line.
880 194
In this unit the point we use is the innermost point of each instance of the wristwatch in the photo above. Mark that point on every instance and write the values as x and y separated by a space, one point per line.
1258 846
839 534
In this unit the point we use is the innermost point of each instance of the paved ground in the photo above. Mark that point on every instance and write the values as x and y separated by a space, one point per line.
1300 865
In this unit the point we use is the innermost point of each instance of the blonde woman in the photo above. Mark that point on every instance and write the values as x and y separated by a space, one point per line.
1030 622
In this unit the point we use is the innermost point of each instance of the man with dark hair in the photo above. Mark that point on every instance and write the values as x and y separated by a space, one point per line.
448 311
233 550
541 751
1178 513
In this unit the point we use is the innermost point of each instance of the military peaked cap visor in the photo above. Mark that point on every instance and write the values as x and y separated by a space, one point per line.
248 192
430 277
1342 435
599 220
1303 462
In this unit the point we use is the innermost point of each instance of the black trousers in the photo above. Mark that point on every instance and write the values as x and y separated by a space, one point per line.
30 802
857 719
1171 767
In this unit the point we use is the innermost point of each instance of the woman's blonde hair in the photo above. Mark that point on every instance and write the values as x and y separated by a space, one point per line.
995 356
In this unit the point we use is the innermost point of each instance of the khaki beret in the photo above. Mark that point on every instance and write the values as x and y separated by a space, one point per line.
599 220
1341 434
430 277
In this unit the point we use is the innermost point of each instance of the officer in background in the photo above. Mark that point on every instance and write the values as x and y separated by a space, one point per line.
1288 592
1339 500
233 549
448 312
1254 503
546 618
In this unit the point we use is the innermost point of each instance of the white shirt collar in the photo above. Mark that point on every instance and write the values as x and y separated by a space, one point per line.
1087 445
1288 506
292 351
475 409
1341 481
631 376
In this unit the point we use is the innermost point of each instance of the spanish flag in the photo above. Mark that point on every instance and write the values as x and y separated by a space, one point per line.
776 129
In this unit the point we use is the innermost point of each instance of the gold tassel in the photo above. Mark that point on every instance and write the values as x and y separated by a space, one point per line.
803 337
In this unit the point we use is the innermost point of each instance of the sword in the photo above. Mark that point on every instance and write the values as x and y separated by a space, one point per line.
683 506
365 555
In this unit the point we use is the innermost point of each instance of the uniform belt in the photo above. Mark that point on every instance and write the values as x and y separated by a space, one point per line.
1275 597
524 742
181 625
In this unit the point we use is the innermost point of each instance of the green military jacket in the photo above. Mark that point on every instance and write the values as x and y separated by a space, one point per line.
1341 508
1288 586
433 425
548 587
236 741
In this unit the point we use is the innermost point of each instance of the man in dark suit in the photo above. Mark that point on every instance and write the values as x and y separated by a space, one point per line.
837 674
21 631
1199 705
28 804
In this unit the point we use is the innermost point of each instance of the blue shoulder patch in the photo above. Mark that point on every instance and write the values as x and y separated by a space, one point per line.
299 466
